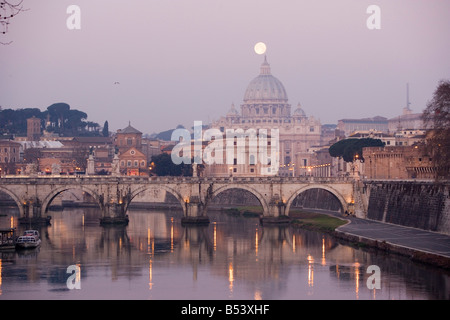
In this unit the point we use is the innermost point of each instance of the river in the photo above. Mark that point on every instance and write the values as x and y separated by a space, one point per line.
155 257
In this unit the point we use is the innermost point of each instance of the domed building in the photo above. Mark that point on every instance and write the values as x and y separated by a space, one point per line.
266 106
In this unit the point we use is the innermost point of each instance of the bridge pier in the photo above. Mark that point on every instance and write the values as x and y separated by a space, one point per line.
32 213
276 213
194 212
114 213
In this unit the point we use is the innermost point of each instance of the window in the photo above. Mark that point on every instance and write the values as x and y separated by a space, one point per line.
135 163
311 129
129 163
129 142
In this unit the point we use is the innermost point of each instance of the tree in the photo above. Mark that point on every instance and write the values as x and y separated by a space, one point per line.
32 155
62 120
436 118
164 166
58 113
15 121
105 131
351 149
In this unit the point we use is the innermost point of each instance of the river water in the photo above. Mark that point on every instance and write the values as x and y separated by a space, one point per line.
155 257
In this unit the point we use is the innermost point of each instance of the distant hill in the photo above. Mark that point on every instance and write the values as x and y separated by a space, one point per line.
166 135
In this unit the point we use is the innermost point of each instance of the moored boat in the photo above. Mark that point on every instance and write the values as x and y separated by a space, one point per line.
33 233
29 239
7 239
26 242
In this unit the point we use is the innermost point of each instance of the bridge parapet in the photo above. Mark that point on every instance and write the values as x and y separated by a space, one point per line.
13 179
114 193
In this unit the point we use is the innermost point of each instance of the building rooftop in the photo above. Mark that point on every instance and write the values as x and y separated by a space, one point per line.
129 129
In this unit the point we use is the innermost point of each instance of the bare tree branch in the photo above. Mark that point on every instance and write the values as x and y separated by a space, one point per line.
436 118
8 10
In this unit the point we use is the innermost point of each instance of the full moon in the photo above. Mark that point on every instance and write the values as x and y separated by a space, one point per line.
260 48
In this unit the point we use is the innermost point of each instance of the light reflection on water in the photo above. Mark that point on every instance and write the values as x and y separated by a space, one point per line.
155 257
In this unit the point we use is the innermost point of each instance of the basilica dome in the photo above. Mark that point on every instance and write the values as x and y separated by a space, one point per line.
265 88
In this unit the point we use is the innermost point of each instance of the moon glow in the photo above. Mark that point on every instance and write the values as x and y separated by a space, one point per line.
260 48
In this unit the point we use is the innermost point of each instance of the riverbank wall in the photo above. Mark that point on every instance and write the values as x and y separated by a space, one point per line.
419 204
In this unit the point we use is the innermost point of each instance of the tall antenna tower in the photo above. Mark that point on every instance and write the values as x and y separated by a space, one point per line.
407 110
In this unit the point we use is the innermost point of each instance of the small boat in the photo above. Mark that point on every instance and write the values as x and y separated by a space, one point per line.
7 239
33 233
29 239
26 242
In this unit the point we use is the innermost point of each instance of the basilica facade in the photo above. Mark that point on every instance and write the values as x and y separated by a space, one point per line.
266 106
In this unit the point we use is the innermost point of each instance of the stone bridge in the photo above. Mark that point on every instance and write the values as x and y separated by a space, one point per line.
34 195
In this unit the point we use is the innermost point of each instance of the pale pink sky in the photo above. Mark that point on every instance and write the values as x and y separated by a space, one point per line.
183 60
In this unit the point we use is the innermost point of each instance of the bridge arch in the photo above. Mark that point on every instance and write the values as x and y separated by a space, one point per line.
55 192
150 187
16 199
334 192
258 195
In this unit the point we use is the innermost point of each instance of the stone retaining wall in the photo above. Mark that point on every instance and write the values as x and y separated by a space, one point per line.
423 205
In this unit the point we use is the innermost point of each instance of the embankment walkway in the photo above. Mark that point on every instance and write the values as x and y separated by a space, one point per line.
401 239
